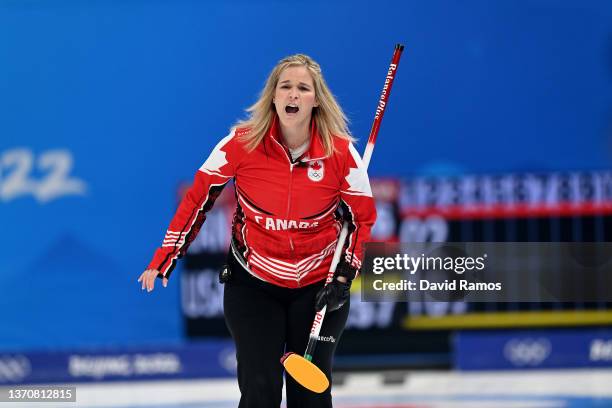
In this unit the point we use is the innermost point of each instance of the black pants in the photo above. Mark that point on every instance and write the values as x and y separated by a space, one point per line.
266 320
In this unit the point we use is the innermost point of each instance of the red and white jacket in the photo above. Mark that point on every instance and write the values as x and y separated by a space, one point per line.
287 217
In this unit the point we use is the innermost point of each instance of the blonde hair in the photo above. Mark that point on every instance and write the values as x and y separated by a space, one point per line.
328 116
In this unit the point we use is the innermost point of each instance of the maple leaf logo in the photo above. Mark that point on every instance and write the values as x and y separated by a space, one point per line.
315 171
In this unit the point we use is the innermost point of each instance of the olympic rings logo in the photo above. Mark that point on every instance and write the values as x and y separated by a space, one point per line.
527 351
14 368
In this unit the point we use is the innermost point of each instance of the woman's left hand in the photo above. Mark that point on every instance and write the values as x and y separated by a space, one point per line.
333 295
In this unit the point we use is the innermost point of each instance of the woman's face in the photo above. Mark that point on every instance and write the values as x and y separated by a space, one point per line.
295 97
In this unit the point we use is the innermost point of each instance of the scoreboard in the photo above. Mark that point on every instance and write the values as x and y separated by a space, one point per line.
551 207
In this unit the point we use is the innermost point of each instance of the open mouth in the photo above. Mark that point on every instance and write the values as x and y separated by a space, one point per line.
291 109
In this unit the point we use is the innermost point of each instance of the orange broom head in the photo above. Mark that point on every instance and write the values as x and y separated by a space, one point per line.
305 373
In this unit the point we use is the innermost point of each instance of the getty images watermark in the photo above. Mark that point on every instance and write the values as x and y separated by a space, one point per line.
412 264
488 272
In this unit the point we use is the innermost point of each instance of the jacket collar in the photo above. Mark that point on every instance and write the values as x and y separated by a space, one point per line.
315 150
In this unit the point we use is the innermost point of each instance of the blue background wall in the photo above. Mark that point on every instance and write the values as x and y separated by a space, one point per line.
138 92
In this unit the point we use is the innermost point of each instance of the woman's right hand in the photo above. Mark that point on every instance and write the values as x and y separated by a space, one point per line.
148 279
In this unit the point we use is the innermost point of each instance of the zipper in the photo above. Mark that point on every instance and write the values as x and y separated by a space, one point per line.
291 166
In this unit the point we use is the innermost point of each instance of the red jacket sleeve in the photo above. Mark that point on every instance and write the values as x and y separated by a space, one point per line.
208 183
358 206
